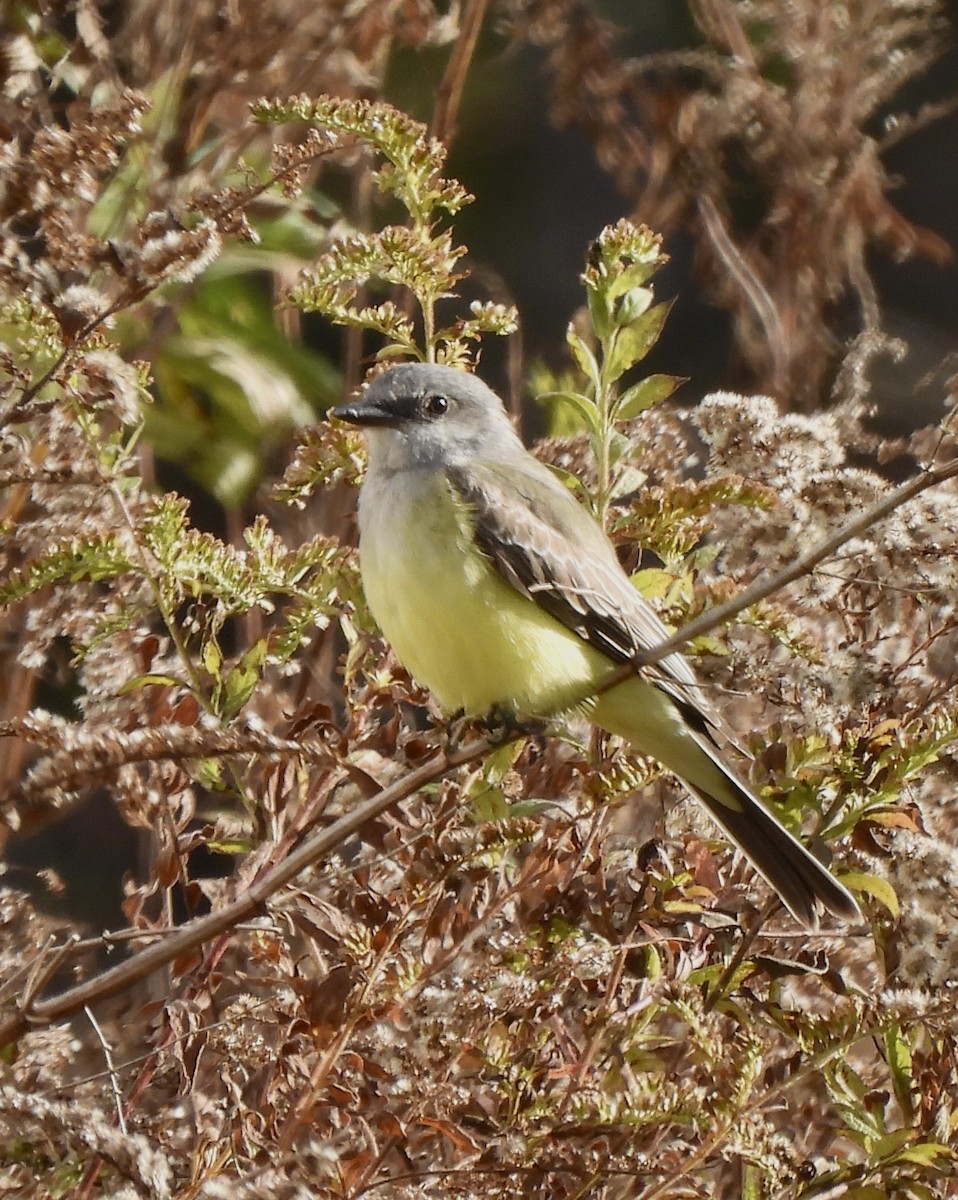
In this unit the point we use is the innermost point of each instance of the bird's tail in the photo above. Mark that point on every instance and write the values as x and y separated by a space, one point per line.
645 714
805 886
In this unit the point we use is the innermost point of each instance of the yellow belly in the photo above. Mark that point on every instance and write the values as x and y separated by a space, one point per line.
458 628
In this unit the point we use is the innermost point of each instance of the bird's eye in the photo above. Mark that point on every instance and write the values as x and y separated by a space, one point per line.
435 405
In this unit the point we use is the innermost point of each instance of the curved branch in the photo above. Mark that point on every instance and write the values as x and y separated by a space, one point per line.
719 614
192 935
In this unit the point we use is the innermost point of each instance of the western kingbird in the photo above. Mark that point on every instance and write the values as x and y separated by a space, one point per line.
499 591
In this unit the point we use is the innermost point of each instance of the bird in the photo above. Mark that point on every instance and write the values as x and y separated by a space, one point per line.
501 594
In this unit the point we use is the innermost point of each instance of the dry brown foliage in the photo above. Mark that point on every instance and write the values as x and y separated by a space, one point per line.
770 133
539 973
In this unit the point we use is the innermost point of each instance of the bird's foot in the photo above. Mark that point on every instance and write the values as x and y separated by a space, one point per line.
456 728
502 723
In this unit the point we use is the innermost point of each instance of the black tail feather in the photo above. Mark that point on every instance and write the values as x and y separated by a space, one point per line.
805 886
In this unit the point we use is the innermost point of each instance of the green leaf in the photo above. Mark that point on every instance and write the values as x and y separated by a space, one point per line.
629 280
489 804
880 889
241 682
140 681
709 645
849 1083
891 1143
208 772
633 304
212 657
712 974
644 395
572 481
925 1154
532 808
581 405
632 343
653 964
898 1057
912 1190
857 1120
627 483
619 447
235 847
499 762
584 357
654 583
600 311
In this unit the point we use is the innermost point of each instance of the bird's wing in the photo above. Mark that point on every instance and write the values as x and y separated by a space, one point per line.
544 543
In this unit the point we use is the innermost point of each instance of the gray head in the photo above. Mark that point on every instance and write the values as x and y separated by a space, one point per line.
421 415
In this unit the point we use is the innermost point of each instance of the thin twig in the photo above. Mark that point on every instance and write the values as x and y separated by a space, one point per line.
449 92
111 1068
763 588
754 289
45 966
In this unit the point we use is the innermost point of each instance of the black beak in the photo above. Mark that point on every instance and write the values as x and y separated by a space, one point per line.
362 411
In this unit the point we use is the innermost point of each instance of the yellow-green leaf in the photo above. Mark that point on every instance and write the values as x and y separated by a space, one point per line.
499 762
633 304
582 407
898 1057
925 1154
632 343
140 681
584 357
241 682
880 889
645 394
212 657
489 804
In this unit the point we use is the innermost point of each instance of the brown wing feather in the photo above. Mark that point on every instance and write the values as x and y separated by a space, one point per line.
543 543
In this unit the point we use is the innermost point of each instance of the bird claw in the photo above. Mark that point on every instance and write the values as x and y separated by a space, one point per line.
499 724
502 723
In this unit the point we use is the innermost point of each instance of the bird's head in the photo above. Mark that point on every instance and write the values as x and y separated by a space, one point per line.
423 415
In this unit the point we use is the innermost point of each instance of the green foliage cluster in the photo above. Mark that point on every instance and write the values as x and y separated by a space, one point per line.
419 257
145 545
625 325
